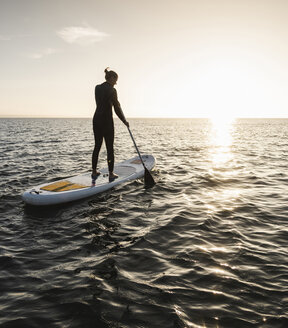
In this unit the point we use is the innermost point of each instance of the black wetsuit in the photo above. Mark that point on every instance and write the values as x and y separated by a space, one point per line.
103 125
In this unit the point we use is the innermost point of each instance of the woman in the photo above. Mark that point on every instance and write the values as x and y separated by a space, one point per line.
103 126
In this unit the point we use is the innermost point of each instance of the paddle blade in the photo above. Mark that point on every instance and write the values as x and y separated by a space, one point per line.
148 179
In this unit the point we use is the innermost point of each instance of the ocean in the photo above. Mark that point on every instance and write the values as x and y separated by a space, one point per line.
207 246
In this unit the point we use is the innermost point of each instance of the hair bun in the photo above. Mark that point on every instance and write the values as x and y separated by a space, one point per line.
109 74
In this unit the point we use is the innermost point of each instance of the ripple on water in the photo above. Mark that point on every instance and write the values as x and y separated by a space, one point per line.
206 247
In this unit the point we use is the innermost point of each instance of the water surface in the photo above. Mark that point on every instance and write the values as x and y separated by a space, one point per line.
205 247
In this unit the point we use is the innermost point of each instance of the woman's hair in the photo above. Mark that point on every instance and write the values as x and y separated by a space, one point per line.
109 74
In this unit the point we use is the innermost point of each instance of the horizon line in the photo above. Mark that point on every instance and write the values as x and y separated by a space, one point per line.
135 117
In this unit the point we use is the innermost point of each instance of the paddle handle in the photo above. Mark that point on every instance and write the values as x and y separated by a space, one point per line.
136 146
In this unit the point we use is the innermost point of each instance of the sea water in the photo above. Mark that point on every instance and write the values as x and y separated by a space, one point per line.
207 246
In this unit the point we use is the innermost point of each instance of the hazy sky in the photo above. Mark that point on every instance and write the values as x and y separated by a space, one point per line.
175 58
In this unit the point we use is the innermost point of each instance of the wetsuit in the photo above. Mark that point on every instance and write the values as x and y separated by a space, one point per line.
103 125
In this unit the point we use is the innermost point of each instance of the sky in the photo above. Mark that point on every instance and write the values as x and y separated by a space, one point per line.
174 58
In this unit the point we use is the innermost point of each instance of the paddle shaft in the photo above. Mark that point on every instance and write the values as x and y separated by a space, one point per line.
148 179
136 147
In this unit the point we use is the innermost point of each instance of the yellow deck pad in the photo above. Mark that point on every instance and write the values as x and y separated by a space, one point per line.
63 186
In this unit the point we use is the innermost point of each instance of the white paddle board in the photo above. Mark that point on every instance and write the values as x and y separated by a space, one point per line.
80 186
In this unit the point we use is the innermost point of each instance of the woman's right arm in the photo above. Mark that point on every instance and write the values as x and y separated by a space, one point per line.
117 108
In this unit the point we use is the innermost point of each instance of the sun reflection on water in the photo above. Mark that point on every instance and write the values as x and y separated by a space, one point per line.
221 168
221 139
222 195
225 197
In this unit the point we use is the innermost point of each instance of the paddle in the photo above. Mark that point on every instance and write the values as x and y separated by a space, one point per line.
148 179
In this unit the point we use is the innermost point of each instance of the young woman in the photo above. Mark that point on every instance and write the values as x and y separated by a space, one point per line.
103 125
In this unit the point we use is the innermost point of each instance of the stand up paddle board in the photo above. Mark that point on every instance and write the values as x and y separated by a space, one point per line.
80 186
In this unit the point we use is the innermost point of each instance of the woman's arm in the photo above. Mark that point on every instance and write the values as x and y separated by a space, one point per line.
117 107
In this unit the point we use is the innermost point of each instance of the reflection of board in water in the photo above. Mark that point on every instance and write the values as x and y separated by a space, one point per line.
79 186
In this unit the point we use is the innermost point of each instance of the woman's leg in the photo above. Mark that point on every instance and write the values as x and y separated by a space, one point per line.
109 141
98 137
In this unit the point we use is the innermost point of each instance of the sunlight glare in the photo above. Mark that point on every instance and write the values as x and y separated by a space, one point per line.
221 139
224 199
221 130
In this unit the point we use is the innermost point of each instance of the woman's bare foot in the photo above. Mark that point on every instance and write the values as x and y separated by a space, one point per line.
112 176
94 176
